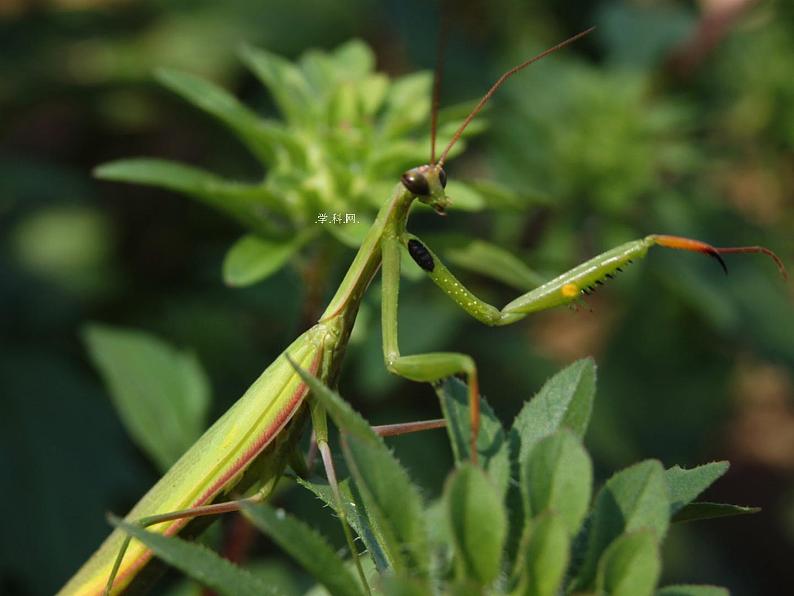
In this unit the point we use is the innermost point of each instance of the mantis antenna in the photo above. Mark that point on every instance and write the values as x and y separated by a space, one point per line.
500 81
437 75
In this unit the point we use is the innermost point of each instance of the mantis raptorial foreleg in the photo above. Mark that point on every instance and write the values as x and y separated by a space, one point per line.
564 289
567 287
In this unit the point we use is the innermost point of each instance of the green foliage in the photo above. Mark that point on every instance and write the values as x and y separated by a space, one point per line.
543 557
630 566
558 476
346 136
307 547
460 543
199 562
615 143
252 258
477 524
392 502
161 394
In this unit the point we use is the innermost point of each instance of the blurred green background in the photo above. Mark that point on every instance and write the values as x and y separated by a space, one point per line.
673 117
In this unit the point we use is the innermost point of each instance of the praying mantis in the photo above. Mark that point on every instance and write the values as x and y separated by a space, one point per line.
245 451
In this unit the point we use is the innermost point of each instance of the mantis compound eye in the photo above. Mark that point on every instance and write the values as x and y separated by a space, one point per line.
442 177
416 182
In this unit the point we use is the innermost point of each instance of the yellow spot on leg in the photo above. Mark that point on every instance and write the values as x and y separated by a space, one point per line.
570 290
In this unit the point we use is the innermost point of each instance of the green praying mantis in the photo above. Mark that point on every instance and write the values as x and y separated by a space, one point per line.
246 450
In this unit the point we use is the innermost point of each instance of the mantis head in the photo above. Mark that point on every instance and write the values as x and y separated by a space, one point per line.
427 183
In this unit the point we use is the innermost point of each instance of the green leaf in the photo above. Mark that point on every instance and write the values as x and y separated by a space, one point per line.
354 59
686 485
492 261
630 566
245 202
161 394
463 197
692 590
403 586
493 449
565 400
407 104
285 81
705 510
198 562
477 522
252 258
306 546
543 558
392 502
372 92
633 499
558 476
354 515
262 137
501 196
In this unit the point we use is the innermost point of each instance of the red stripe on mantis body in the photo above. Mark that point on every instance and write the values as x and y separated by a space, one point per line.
242 462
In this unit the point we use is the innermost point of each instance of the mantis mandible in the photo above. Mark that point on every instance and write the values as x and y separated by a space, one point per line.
250 445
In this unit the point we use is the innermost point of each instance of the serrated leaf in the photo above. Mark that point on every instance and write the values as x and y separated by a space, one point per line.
630 566
692 590
262 137
392 502
705 510
355 517
492 261
633 499
686 485
477 522
162 394
284 80
493 449
558 476
198 562
307 547
252 258
565 400
543 558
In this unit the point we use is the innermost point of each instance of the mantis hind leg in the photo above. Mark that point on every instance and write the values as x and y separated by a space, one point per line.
190 513
436 366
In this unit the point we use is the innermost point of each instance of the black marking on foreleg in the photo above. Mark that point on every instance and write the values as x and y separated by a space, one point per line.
421 255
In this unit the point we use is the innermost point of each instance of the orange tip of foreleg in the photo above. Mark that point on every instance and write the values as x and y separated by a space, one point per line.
681 243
